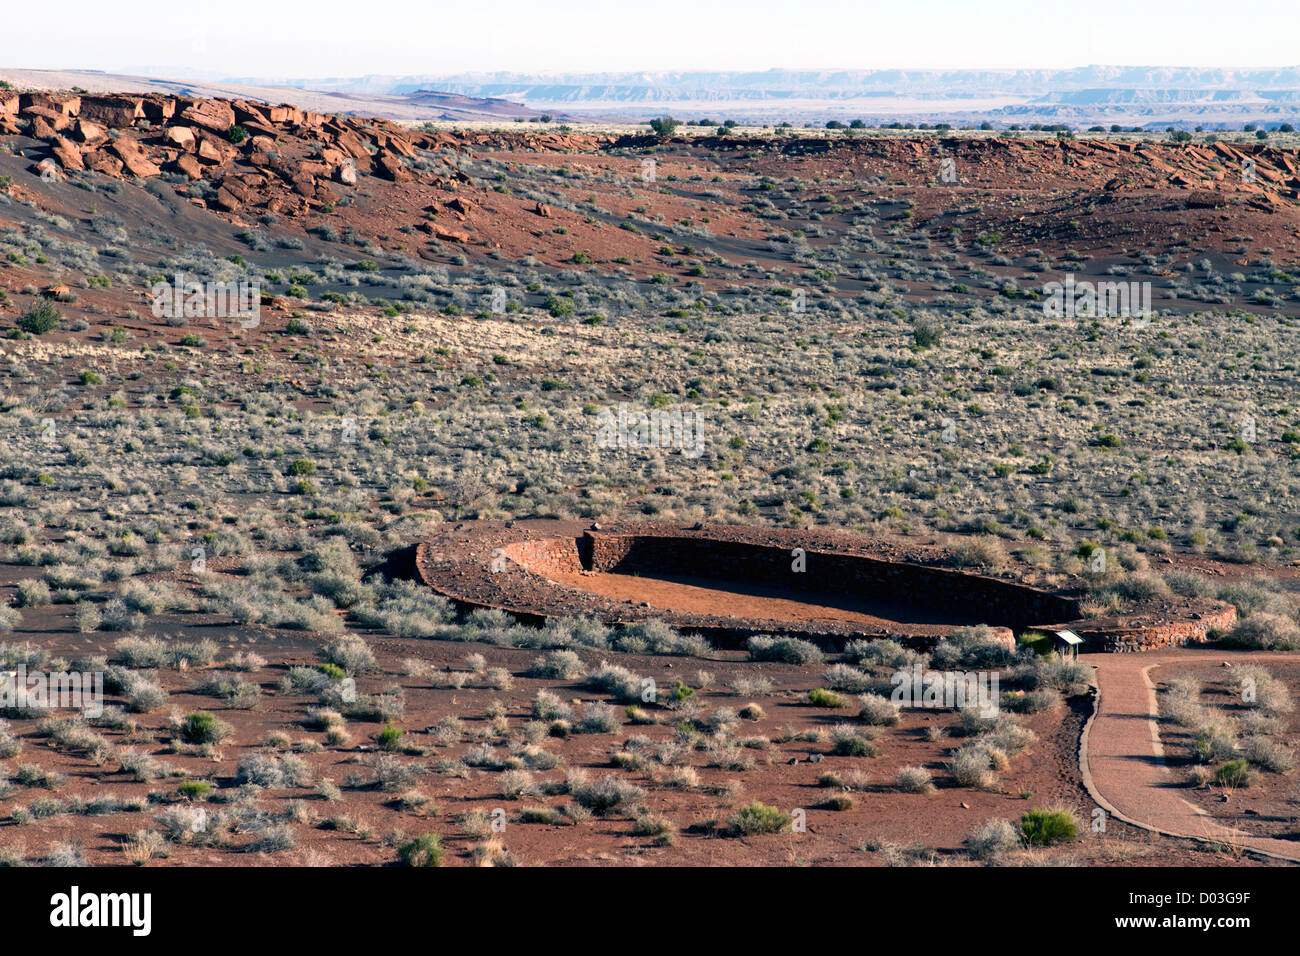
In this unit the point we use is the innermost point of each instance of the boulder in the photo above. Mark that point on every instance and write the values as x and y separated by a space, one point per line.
133 157
66 103
66 152
188 165
285 114
41 129
115 111
346 173
399 145
246 112
159 109
390 167
213 152
101 162
351 144
182 137
542 210
227 200
319 170
213 115
8 102
55 119
91 133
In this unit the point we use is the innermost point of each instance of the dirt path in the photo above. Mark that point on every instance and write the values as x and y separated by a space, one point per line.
1123 761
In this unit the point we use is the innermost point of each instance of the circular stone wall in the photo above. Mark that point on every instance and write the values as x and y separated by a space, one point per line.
733 581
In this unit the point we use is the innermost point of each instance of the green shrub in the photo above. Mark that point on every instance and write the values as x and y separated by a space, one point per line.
820 697
194 789
201 727
424 850
1043 827
758 817
40 317
1235 773
664 125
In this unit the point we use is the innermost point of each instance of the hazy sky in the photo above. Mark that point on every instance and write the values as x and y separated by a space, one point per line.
351 37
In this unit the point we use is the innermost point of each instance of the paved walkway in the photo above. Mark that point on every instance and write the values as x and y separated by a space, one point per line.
1123 762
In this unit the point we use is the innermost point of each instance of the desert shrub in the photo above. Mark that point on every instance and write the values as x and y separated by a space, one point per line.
605 795
820 697
598 718
1258 688
992 839
848 741
406 609
1214 742
275 839
424 850
972 766
1135 587
40 317
755 818
981 552
201 727
548 706
1264 631
142 767
141 652
33 592
788 650
656 637
849 679
389 736
619 681
1253 597
1269 754
1032 702
1187 584
884 654
514 784
557 665
351 653
194 789
973 648
1235 773
877 710
237 693
1044 827
913 780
